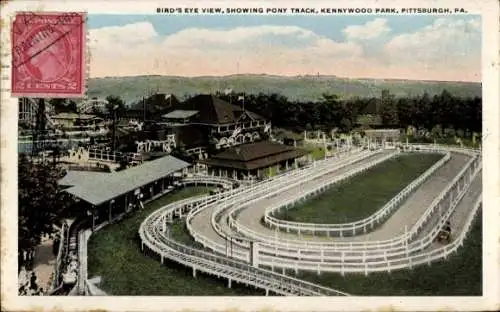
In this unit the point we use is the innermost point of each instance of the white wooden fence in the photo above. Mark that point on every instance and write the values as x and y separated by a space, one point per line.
271 243
309 246
405 253
153 235
351 228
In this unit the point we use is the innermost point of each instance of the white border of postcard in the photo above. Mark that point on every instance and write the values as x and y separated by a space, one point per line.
490 300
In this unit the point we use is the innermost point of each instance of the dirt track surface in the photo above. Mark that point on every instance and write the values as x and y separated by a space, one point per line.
407 214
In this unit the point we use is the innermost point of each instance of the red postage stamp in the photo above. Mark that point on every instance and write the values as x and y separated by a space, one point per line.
48 54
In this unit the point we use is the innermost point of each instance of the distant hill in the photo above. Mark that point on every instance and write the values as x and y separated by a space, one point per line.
300 88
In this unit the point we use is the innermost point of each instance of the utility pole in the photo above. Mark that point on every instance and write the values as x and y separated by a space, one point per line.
114 127
231 246
38 135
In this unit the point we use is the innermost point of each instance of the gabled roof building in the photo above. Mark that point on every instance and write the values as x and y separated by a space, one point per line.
212 121
259 159
108 195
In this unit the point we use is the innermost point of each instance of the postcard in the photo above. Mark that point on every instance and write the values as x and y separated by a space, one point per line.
250 156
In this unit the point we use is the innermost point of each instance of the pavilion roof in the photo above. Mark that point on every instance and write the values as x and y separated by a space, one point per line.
109 186
254 155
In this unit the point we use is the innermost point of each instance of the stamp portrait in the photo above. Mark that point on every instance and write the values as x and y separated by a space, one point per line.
48 54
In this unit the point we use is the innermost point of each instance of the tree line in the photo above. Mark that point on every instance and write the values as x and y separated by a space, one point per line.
41 205
437 113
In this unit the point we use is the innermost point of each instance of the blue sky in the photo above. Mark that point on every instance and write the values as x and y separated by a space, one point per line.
422 47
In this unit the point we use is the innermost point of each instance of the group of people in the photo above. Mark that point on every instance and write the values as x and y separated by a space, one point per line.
447 227
445 233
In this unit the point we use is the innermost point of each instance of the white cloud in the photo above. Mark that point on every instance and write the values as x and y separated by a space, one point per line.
136 33
137 49
195 36
445 41
276 49
448 46
370 30
248 41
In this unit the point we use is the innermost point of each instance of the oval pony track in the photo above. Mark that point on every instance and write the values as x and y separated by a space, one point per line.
242 244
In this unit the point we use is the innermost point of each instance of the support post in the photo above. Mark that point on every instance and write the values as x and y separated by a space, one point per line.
406 239
110 205
254 254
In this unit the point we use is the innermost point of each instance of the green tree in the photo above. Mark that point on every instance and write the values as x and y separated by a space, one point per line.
115 102
387 109
436 132
63 105
41 205
72 106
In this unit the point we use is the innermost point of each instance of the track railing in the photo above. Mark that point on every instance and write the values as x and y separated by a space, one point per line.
61 253
152 233
260 191
280 254
396 242
257 193
319 168
266 188
351 228
384 264
199 179
366 255
413 257
293 178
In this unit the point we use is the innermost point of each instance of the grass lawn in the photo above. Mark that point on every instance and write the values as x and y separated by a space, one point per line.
114 253
270 172
317 152
362 195
180 233
459 275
